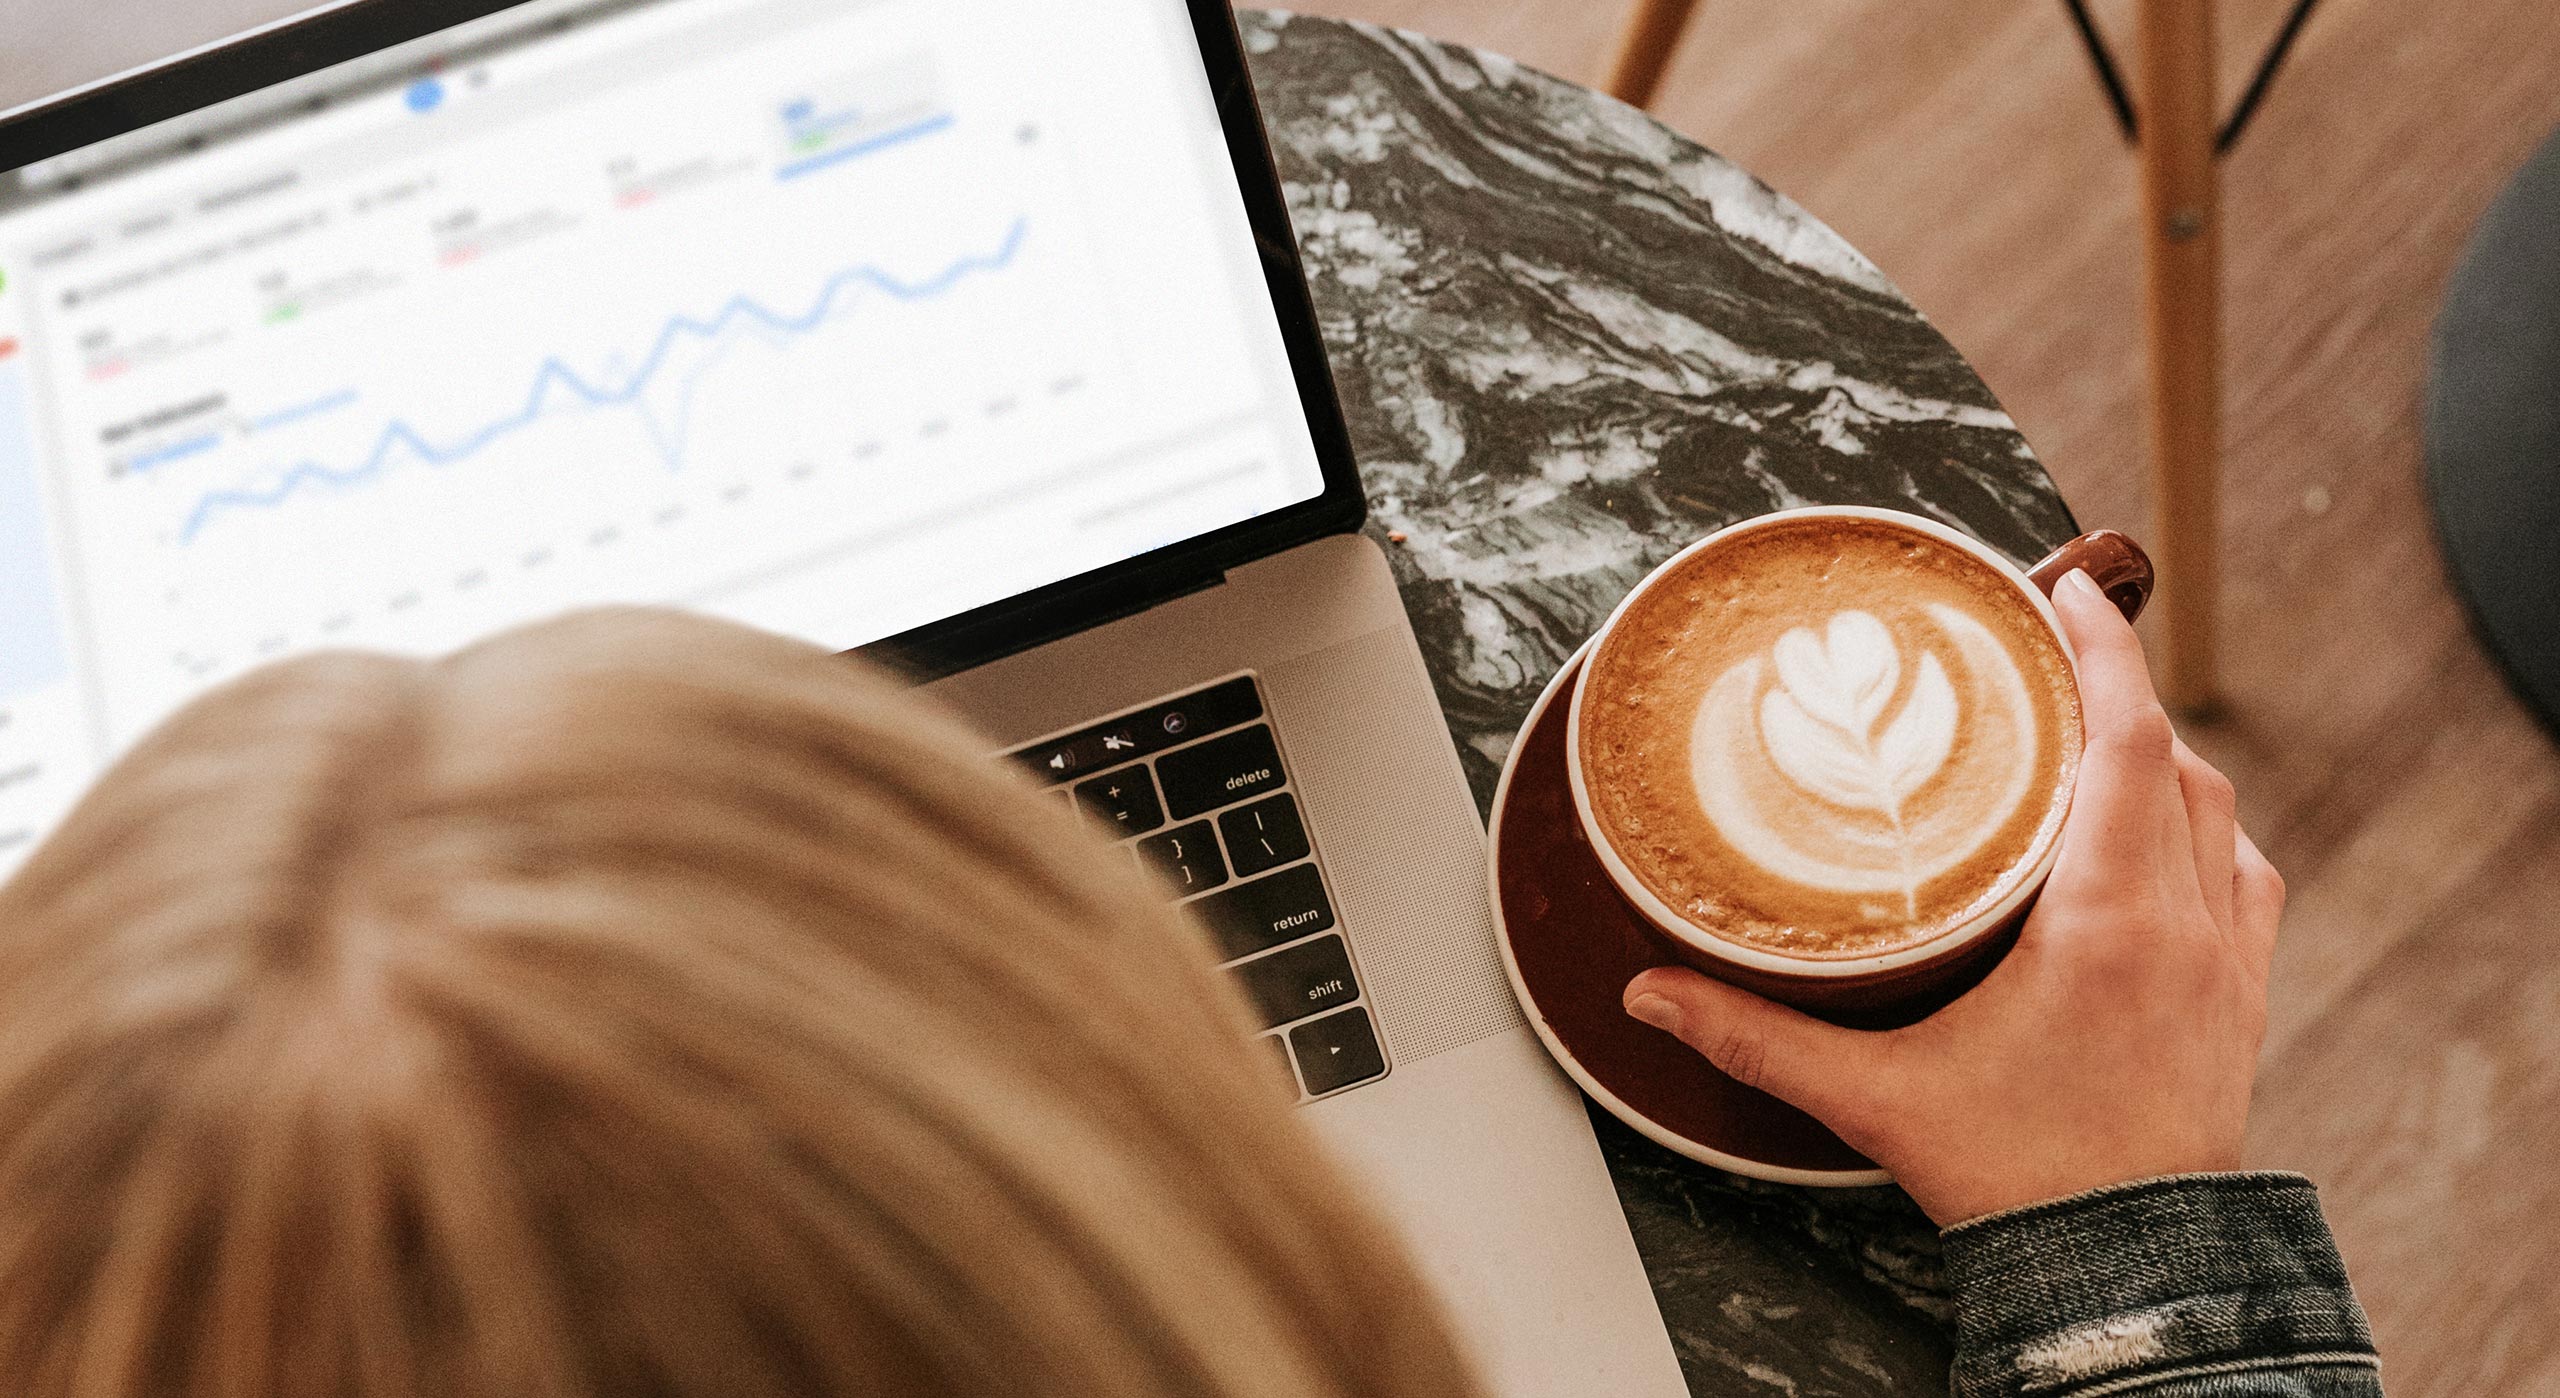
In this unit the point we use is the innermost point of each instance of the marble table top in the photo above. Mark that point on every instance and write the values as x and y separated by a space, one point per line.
1570 341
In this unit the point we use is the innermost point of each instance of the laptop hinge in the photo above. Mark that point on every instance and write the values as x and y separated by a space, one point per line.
966 649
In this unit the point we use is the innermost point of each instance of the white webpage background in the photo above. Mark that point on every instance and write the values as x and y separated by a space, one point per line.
834 317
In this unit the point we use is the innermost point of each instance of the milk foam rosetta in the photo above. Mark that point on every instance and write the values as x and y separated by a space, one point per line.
1830 737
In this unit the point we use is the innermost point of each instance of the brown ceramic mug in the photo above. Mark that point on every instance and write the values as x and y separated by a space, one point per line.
1899 984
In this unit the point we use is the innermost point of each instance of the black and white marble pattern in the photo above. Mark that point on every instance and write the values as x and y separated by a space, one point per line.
1569 341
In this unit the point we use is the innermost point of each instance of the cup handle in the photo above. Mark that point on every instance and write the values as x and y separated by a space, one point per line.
2117 564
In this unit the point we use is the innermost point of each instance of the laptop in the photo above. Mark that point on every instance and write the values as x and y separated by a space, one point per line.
969 334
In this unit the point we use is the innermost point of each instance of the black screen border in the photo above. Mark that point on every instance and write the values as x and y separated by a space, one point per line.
306 44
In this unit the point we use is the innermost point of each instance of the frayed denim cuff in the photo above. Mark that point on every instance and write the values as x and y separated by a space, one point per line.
2187 1284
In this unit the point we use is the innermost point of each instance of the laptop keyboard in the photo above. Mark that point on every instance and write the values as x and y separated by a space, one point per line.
1195 789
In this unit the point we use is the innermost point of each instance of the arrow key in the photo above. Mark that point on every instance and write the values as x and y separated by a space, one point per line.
1336 1051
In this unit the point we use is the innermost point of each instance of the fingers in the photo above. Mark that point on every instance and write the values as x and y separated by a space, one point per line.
1830 1072
2257 900
2213 822
2128 814
2117 704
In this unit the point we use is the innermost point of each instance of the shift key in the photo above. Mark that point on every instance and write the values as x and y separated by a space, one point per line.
1299 981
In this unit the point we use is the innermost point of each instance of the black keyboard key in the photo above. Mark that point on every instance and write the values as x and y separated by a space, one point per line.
1282 908
1220 772
1187 857
1264 835
1337 1051
1124 801
1149 730
1298 981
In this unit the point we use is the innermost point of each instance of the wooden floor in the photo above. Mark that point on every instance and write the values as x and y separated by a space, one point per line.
2414 1066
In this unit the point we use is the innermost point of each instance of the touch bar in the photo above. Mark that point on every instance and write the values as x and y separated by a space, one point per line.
1149 730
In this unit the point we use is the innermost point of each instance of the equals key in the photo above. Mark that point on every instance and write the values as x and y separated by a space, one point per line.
1124 801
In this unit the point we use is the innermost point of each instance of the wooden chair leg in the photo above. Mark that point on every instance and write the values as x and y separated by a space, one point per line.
1645 47
2182 255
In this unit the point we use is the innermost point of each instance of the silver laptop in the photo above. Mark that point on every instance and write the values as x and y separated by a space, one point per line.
967 333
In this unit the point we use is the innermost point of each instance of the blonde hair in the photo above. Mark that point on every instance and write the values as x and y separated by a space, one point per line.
640 1006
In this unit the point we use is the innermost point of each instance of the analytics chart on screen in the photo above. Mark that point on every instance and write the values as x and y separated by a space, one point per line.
832 316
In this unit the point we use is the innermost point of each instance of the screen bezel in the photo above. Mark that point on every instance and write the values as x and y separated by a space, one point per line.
306 43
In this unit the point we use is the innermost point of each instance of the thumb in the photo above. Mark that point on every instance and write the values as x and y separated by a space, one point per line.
1822 1069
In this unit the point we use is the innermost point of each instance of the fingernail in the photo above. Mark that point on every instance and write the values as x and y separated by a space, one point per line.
2078 580
1656 1011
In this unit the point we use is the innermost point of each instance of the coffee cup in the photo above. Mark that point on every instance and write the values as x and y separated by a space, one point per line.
1825 754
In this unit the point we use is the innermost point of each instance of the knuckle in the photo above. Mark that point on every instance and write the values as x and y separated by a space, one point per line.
2263 877
2142 733
1739 1055
2214 787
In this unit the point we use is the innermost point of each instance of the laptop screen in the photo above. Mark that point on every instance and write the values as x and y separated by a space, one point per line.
838 317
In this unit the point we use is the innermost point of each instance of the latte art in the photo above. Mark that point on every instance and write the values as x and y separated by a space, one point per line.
1829 737
1847 820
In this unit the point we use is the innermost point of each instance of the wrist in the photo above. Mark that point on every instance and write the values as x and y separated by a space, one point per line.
1974 1193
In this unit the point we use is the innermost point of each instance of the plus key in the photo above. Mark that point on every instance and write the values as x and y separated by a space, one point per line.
1125 801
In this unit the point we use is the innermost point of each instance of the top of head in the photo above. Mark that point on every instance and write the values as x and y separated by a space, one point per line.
1829 736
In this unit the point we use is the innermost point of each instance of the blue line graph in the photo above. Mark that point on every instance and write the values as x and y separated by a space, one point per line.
198 445
178 451
285 417
863 147
555 378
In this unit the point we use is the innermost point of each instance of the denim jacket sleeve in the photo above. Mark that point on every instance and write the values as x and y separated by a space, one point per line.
2188 1286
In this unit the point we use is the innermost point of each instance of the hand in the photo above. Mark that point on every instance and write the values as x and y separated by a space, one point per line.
2117 1041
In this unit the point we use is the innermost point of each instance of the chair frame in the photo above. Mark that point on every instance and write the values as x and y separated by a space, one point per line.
2180 145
